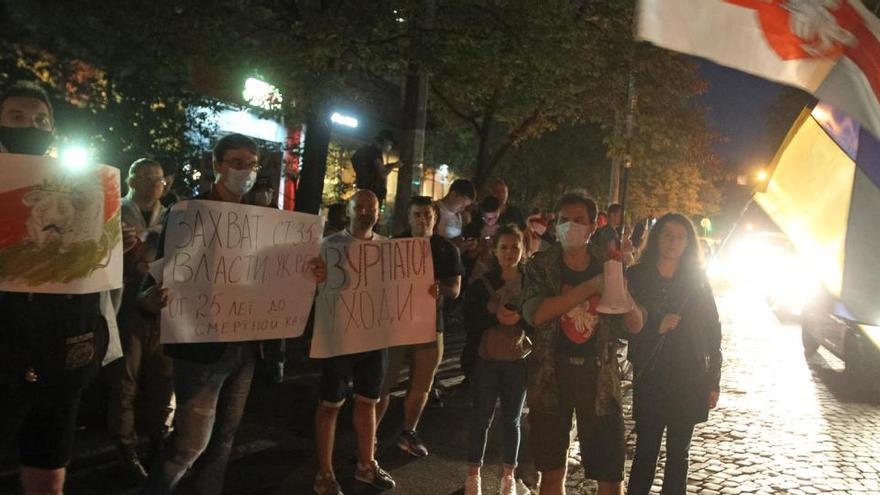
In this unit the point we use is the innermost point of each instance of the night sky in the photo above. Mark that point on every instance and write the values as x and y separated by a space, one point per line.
737 104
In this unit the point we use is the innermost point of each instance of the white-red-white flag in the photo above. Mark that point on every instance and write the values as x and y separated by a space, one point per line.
827 47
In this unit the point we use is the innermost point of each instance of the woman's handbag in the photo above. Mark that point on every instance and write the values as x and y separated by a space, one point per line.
505 343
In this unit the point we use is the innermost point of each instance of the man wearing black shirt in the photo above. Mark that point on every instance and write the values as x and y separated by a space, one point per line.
423 358
573 366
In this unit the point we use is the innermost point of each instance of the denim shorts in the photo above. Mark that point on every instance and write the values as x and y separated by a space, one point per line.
365 369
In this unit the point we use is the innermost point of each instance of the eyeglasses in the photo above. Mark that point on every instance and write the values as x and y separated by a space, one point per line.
242 165
153 180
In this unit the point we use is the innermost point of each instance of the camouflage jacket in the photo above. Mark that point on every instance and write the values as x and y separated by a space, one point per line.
543 278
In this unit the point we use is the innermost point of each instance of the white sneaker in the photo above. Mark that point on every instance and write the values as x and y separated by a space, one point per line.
472 485
508 486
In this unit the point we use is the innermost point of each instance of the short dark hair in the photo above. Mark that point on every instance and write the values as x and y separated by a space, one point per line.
614 208
234 142
26 89
490 203
423 201
574 198
143 163
464 187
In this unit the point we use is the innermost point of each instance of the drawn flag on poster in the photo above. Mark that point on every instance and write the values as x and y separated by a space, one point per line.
377 295
60 229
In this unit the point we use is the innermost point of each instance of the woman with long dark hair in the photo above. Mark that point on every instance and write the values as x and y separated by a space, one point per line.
491 307
676 357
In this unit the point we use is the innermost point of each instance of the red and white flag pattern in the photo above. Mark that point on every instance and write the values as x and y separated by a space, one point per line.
827 47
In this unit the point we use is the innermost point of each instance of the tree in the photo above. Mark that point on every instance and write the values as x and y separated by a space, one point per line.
124 90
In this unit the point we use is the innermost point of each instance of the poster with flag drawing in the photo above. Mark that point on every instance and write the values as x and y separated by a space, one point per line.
829 48
60 229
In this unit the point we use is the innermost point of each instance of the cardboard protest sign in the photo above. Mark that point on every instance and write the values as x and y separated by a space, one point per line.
60 229
237 272
377 295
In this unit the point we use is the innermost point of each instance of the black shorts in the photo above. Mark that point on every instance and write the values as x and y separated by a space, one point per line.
41 420
365 369
601 438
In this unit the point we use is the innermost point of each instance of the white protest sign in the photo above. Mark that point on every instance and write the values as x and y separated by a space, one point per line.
237 272
377 295
60 229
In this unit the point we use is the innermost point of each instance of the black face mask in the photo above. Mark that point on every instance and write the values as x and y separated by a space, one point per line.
25 140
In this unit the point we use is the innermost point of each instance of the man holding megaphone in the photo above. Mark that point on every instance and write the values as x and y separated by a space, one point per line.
573 366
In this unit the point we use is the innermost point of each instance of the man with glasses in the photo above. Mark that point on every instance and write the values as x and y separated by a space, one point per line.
212 380
144 366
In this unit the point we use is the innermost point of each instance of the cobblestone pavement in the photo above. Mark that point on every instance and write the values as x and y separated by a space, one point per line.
782 426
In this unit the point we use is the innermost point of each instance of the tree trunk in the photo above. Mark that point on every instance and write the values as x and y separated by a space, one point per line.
413 146
314 162
484 160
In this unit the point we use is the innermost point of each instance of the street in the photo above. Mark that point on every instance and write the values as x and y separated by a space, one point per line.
781 427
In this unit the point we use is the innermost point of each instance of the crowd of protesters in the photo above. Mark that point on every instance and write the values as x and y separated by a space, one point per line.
525 289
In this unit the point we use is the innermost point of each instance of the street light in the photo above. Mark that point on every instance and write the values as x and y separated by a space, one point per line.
345 120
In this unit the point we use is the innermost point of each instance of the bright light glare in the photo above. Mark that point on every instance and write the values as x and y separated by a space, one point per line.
345 120
261 94
75 157
768 265
762 175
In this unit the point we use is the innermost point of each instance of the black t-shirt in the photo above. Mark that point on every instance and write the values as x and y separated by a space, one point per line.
580 323
447 264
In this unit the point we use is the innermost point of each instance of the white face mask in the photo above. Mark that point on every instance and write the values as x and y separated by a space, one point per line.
239 182
572 234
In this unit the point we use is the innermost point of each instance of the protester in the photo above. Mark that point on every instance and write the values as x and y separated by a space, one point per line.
491 301
262 194
536 240
423 358
478 258
449 208
51 345
365 369
212 380
169 195
607 238
486 222
144 366
573 368
676 357
509 214
337 219
371 171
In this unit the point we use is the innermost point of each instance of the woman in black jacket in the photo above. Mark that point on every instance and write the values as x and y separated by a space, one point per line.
677 356
490 301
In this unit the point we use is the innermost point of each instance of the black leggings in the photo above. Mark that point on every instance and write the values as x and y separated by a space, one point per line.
644 466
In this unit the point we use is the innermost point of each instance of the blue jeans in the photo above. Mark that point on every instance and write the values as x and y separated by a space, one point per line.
210 404
494 379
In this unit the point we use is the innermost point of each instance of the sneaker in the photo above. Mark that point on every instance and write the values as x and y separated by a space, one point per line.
508 486
325 484
473 485
409 442
374 476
